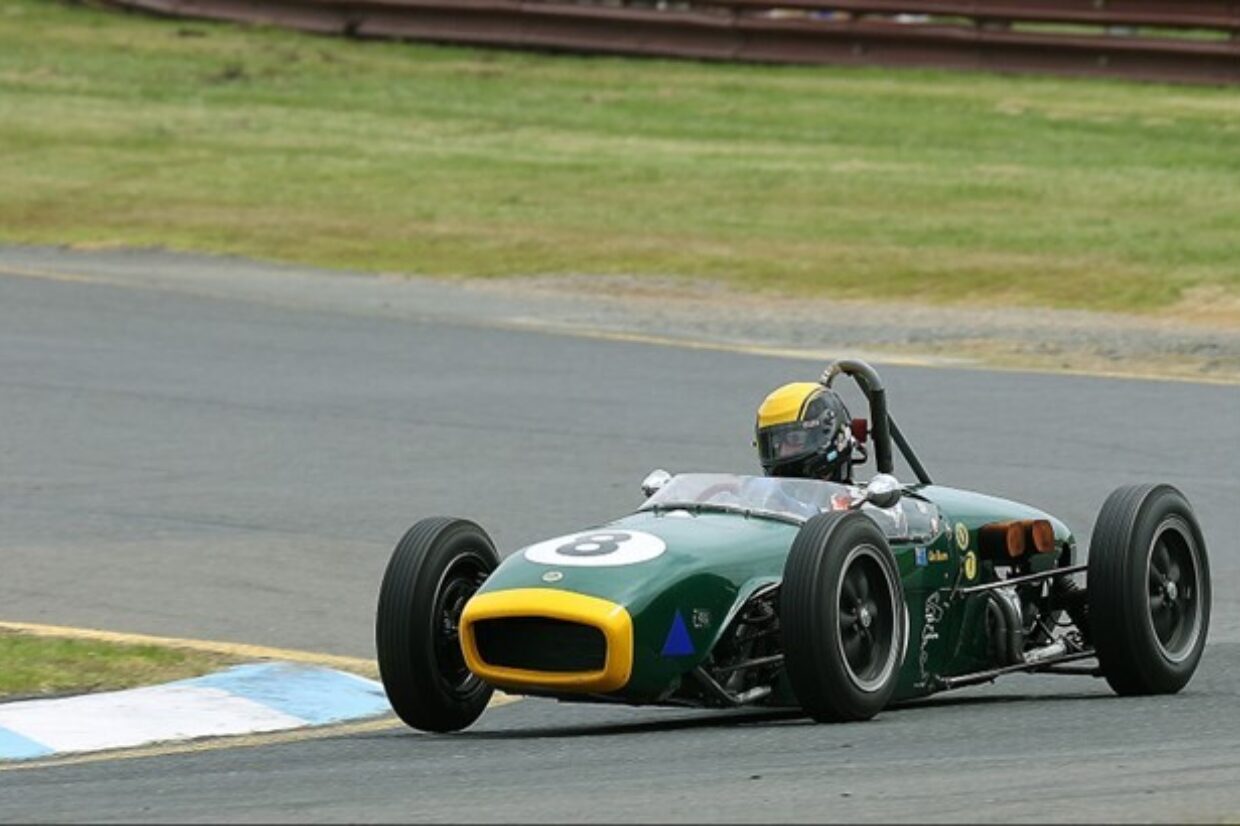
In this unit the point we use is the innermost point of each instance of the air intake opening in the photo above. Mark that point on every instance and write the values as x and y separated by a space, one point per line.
540 644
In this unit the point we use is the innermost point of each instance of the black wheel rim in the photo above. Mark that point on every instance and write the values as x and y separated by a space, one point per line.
1174 588
460 581
867 619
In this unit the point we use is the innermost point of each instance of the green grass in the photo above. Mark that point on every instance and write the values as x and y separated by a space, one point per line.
33 665
121 129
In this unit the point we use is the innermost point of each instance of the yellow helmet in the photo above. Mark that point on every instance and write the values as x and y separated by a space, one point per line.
804 430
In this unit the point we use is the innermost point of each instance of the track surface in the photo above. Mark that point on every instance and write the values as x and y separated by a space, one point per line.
212 449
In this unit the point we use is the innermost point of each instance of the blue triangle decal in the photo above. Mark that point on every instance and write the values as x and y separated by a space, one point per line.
678 643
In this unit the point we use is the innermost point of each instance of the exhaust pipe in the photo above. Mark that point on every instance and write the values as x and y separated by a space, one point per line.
1006 625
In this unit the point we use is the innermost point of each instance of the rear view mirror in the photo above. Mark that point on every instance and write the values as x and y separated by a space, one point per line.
655 481
883 491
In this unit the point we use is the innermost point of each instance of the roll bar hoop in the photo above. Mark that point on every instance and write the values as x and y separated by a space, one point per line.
883 425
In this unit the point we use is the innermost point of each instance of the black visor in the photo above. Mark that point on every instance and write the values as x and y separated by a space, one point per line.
788 443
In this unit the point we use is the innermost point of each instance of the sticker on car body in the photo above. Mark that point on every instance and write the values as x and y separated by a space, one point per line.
970 566
962 536
597 549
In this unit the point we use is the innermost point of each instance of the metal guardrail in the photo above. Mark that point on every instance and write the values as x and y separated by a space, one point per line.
1196 41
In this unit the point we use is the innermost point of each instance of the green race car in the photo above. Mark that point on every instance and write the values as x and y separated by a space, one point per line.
724 591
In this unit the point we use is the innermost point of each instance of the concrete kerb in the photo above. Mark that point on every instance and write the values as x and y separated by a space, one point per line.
260 687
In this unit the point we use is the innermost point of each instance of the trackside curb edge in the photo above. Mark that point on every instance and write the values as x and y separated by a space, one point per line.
245 699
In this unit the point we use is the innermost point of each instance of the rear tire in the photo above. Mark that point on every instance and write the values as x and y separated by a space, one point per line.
842 613
436 568
1149 590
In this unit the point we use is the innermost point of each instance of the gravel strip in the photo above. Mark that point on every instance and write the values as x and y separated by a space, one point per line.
1177 344
998 336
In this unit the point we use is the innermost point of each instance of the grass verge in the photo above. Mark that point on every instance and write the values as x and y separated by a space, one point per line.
32 666
117 129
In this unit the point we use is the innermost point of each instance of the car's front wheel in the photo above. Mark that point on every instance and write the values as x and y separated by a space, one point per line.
436 568
842 615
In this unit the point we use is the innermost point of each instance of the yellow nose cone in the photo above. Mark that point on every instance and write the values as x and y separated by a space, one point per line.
611 620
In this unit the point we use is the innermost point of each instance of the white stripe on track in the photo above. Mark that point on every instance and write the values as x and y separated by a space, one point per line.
144 715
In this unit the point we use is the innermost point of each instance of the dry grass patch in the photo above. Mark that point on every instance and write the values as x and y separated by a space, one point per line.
32 666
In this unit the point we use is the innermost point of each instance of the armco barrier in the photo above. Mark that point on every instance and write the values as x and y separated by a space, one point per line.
1168 40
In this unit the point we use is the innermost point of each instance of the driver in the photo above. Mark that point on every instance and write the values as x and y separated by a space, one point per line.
804 430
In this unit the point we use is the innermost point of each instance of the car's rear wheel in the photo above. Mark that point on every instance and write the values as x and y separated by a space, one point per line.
842 613
1149 590
436 568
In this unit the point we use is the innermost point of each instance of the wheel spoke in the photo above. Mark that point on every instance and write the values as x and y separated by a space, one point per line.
1156 604
854 648
862 584
1157 580
848 620
1164 622
1174 573
1160 559
850 591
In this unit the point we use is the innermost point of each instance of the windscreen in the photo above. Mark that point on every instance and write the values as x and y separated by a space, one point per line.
791 500
794 499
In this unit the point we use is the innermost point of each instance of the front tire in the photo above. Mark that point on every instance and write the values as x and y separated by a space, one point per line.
842 613
435 569
1149 590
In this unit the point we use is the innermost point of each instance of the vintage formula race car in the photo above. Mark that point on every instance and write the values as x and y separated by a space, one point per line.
723 591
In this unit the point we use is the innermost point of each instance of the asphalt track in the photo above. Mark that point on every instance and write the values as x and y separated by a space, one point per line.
208 448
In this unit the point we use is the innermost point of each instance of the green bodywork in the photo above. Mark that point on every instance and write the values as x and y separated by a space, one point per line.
715 561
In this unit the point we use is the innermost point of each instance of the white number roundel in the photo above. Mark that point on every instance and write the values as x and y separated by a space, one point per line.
595 549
